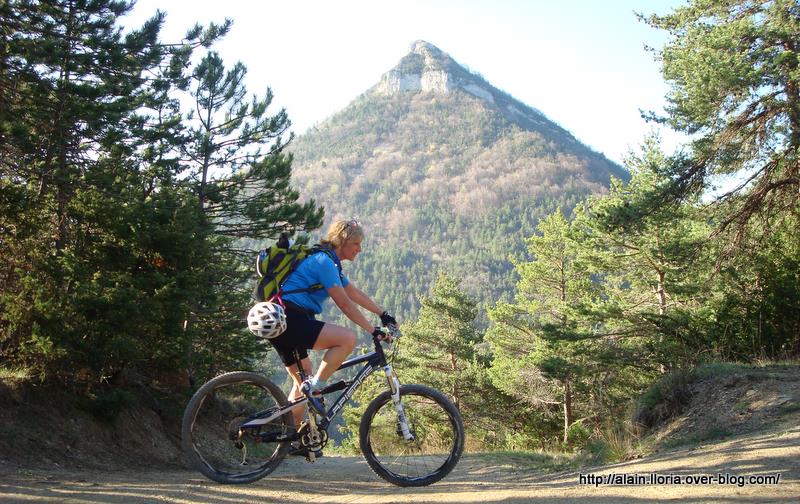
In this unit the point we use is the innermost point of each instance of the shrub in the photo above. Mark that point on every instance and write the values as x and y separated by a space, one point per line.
664 399
577 436
108 405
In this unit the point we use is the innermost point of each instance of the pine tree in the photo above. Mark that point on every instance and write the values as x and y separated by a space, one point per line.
543 345
236 166
236 159
734 78
113 266
751 305
653 262
439 349
71 86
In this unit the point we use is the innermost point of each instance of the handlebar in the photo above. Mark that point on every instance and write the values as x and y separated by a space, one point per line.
393 331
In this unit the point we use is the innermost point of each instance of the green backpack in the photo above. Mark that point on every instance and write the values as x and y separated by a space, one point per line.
274 265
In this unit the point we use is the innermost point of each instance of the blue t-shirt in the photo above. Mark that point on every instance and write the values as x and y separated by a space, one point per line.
315 269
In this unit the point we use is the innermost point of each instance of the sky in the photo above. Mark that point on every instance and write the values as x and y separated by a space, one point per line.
583 63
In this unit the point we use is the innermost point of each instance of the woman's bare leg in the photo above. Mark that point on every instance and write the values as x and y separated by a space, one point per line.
295 394
340 342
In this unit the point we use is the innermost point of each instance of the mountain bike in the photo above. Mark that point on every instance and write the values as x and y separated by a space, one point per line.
238 427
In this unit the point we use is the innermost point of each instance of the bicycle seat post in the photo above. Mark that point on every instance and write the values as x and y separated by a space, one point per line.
301 372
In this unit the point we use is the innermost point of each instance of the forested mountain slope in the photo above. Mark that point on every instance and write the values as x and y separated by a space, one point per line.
444 171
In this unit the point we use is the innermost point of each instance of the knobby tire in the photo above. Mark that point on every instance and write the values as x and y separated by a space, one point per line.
437 427
212 420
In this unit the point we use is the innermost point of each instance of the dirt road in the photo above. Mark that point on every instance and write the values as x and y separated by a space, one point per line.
349 480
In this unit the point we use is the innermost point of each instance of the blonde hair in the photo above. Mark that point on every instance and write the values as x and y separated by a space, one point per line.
343 231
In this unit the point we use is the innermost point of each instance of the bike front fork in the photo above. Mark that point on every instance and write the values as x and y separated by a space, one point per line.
402 421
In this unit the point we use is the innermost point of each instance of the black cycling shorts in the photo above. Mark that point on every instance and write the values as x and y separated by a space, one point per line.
301 334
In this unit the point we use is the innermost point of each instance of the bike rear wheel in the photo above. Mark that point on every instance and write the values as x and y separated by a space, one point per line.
214 441
438 437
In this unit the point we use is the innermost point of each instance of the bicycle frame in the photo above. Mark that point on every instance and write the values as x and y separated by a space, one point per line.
373 360
238 427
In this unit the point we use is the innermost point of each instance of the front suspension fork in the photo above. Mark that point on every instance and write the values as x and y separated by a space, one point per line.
402 420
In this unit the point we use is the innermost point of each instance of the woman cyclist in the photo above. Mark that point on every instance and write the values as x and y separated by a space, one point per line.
304 332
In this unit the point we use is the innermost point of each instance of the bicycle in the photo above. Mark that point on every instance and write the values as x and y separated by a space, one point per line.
238 427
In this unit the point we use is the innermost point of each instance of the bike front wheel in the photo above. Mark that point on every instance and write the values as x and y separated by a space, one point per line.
213 438
438 437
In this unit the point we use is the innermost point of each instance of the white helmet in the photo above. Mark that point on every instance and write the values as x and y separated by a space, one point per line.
267 320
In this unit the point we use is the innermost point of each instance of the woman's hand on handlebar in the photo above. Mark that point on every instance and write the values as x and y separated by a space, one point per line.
382 335
389 334
388 319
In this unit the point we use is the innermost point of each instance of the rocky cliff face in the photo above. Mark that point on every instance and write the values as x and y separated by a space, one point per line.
423 69
428 69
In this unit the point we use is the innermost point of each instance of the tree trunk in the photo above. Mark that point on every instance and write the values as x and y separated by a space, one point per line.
792 94
201 193
456 391
567 408
661 292
62 179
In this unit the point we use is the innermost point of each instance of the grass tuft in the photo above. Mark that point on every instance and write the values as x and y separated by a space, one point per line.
14 374
715 433
533 460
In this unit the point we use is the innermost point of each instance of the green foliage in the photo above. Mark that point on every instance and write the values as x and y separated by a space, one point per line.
115 258
753 307
545 350
664 399
607 299
241 177
626 289
578 436
440 347
653 262
243 190
14 374
108 405
733 72
354 410
444 350
87 228
616 442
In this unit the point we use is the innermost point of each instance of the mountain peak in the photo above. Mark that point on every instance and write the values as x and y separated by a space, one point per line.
426 49
425 68
428 69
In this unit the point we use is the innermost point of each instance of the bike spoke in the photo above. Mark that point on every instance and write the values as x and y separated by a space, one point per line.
437 443
217 439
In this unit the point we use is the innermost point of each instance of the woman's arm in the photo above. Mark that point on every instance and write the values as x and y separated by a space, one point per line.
345 303
358 296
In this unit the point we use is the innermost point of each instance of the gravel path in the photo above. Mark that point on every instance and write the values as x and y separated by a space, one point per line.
349 480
